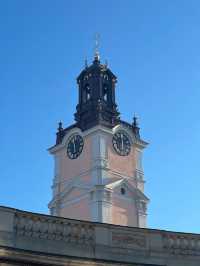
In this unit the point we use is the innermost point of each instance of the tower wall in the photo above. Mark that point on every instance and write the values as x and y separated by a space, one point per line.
89 187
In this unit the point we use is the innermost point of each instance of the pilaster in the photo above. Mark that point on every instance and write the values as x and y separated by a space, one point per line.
101 204
99 158
142 213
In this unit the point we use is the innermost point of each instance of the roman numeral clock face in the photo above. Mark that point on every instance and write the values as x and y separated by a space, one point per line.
121 143
75 146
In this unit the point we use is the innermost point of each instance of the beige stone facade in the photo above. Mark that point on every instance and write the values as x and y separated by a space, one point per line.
35 239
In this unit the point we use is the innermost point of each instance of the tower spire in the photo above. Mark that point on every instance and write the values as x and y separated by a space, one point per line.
96 104
96 48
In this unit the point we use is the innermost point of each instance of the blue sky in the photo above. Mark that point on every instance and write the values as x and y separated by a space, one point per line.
153 48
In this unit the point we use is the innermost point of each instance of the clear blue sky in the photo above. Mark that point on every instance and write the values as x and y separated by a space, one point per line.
152 46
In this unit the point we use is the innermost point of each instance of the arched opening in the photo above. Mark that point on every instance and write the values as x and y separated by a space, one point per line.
86 93
105 93
123 191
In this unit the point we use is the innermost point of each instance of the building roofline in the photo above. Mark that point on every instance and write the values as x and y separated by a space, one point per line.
95 223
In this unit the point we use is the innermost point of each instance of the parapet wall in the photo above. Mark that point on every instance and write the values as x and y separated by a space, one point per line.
58 236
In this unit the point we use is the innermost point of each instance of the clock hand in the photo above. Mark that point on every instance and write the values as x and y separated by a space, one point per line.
122 142
74 147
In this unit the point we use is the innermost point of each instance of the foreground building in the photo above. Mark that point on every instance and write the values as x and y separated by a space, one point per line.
99 208
34 239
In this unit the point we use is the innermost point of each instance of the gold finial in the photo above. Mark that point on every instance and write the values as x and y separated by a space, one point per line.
96 48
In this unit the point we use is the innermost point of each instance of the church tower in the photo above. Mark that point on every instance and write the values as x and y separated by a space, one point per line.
98 172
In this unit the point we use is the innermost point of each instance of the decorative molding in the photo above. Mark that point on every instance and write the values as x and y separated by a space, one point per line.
141 206
84 173
11 257
126 129
38 226
101 193
99 128
99 158
77 130
99 163
177 243
22 231
139 176
138 194
104 163
101 204
123 176
123 198
64 203
58 147
129 240
138 142
75 200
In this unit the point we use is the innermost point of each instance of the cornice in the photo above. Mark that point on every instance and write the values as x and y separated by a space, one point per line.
99 128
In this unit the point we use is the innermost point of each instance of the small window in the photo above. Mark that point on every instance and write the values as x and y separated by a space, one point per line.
123 191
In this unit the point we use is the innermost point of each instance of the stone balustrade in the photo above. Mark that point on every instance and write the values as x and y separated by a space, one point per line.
179 243
51 235
52 228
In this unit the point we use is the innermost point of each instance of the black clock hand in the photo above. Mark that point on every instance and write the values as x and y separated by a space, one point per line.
122 142
74 147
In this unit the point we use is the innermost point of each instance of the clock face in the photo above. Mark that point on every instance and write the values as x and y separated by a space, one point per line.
75 146
121 143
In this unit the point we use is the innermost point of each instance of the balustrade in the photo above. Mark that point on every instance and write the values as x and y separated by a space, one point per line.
53 228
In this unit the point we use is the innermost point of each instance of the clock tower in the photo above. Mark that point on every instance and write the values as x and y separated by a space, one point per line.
98 173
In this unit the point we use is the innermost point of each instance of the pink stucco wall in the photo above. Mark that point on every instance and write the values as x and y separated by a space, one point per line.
72 168
85 179
78 210
75 193
124 164
124 212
